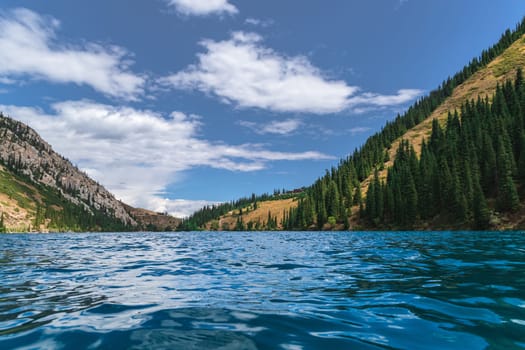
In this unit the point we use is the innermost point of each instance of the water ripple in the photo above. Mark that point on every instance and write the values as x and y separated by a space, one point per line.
288 290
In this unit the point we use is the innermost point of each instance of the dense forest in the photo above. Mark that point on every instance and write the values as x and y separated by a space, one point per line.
477 158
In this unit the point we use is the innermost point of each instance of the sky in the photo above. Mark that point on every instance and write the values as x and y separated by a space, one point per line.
175 104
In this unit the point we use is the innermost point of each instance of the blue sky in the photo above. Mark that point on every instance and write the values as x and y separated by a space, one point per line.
172 104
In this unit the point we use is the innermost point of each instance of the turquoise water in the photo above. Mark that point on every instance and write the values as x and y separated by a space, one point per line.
286 290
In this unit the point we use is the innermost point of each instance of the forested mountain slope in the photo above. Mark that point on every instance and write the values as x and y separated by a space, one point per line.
453 160
400 199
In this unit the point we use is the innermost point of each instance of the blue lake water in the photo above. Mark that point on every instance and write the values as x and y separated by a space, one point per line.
280 290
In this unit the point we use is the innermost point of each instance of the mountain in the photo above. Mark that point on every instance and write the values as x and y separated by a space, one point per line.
152 221
454 160
42 191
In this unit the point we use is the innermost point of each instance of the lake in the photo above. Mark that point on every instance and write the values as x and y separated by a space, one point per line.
277 290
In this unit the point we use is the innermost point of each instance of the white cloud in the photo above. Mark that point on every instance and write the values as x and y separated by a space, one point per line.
259 22
242 71
284 127
29 47
359 130
179 208
239 70
402 96
135 153
203 7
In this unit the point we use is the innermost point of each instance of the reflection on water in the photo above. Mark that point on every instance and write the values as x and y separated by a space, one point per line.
263 291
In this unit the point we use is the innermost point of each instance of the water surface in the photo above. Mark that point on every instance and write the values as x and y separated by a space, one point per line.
280 290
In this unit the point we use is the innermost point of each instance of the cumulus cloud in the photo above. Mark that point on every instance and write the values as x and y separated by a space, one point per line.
278 127
243 72
29 48
144 150
203 7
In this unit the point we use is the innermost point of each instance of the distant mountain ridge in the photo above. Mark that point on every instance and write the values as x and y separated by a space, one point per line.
52 193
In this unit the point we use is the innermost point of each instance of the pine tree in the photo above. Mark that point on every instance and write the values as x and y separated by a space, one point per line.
332 201
239 226
379 202
347 220
480 209
371 212
411 201
322 215
459 201
507 199
2 225
358 198
488 166
521 161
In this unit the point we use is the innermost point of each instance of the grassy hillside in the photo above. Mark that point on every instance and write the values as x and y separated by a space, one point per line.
264 212
255 217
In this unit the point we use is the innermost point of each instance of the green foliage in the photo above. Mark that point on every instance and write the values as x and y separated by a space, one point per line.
239 226
271 223
481 211
214 225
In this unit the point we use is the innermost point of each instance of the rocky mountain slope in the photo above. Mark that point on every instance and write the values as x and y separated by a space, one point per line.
41 190
152 221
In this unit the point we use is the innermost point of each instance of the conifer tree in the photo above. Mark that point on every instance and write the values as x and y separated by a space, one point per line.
332 201
2 225
370 212
481 211
507 199
521 161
